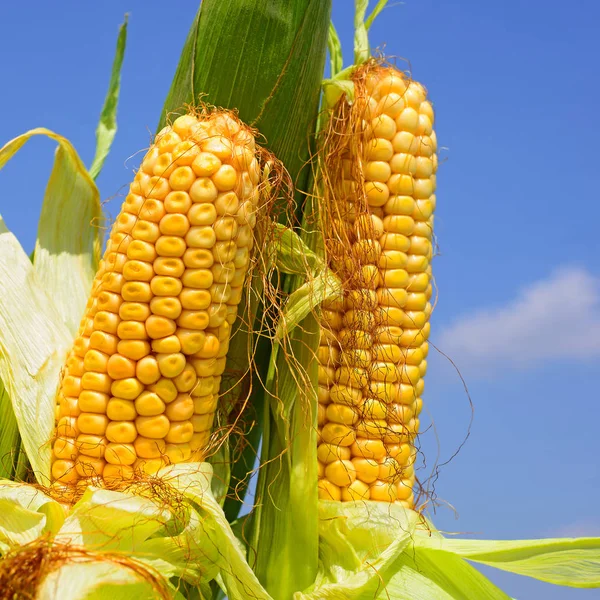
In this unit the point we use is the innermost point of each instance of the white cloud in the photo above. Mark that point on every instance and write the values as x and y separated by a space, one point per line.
557 318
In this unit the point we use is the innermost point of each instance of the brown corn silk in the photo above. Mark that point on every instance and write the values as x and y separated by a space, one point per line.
379 165
140 386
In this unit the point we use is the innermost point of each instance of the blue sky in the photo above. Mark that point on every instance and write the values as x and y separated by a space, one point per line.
514 85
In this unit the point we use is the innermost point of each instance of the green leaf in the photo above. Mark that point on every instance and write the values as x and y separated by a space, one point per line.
425 575
362 52
264 59
69 237
107 126
10 440
334 46
285 522
109 520
359 544
573 562
25 514
98 580
375 13
193 481
291 254
305 300
33 342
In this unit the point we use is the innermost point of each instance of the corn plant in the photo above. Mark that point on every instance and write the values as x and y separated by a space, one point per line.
267 282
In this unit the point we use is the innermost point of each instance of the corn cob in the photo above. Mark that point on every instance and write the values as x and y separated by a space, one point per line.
373 350
140 385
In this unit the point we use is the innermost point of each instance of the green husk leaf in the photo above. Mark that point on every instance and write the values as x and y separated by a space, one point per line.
359 544
375 13
193 481
573 562
336 58
107 126
25 514
424 575
362 52
221 464
305 299
292 255
334 89
264 59
109 520
285 523
95 581
10 441
33 342
69 241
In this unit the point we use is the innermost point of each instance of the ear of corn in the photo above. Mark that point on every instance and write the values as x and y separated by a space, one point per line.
373 351
140 385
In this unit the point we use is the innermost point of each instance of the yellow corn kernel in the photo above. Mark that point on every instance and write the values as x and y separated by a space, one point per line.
182 178
65 448
128 389
64 471
165 286
116 473
93 402
170 246
121 431
340 472
166 306
120 367
327 453
202 215
383 491
155 427
133 349
118 409
206 164
136 291
339 434
357 490
166 344
177 202
91 445
94 424
165 388
98 382
328 490
147 370
134 311
120 454
180 432
181 409
149 448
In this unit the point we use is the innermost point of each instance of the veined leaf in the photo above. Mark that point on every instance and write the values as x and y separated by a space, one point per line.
193 480
359 545
95 581
69 237
305 299
25 514
107 126
421 574
264 59
33 342
9 437
573 562
109 520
